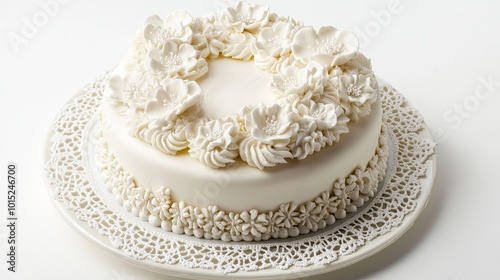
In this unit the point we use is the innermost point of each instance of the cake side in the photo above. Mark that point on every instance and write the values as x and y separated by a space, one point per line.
160 208
241 187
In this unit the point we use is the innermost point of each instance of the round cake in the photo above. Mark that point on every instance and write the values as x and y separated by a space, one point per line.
242 126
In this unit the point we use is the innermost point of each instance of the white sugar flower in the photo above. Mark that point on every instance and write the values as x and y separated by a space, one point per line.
292 80
356 88
272 47
317 118
271 125
115 89
174 27
133 94
173 99
360 65
328 46
177 60
245 17
215 144
324 115
357 93
303 85
207 38
270 130
274 41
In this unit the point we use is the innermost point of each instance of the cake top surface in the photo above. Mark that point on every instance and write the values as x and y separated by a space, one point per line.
244 83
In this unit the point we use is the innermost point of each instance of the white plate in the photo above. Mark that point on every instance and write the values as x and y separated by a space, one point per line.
180 270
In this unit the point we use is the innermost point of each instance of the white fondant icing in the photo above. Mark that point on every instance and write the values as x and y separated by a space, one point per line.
251 88
315 68
199 185
173 95
211 222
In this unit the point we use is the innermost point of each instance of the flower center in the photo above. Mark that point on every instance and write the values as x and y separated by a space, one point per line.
271 126
353 90
245 18
215 134
164 34
172 61
171 103
319 114
328 46
131 92
135 93
291 82
273 44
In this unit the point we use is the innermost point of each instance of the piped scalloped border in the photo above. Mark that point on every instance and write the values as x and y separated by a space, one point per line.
286 220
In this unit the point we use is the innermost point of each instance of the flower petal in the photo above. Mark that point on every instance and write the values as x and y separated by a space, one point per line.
327 32
178 17
301 53
261 136
186 50
154 20
259 12
169 47
305 36
323 59
176 87
155 65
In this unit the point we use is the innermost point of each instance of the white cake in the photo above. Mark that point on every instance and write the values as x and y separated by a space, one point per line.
242 125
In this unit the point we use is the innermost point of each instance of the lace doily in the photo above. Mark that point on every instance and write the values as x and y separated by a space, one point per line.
67 170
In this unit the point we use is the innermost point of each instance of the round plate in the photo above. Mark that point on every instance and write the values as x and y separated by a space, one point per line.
85 228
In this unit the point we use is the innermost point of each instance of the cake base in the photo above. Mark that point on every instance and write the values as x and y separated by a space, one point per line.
80 197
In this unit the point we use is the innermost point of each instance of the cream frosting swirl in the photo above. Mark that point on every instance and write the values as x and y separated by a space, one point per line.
261 155
215 143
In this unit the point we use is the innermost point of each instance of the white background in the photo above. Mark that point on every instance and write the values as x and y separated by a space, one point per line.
440 55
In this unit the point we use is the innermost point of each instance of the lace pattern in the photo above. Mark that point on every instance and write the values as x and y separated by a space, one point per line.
67 170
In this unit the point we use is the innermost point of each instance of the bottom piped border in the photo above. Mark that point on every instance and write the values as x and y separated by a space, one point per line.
287 220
